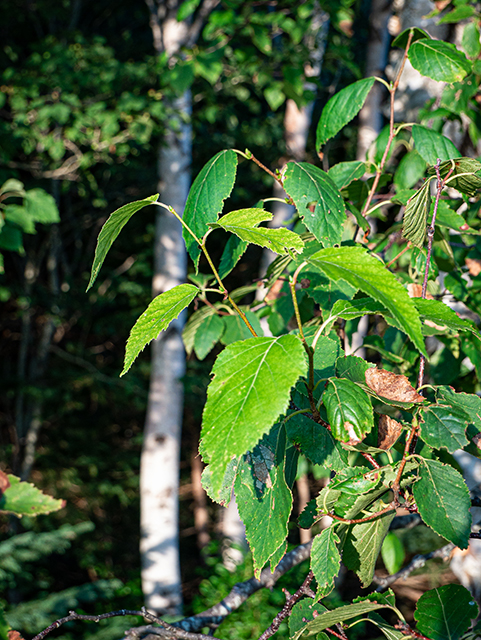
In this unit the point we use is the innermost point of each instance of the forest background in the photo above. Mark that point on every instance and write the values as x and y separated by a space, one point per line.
84 105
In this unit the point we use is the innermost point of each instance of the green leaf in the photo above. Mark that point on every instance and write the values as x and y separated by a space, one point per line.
192 326
325 560
274 95
317 200
206 198
12 186
431 145
24 499
459 13
416 215
450 219
156 318
445 612
349 410
341 109
402 39
343 173
352 309
353 368
41 206
470 403
444 427
363 543
11 238
250 389
439 60
365 272
410 170
315 442
233 252
4 626
111 229
389 632
439 313
186 9
470 40
222 497
302 612
209 333
443 501
244 223
18 215
236 329
392 552
353 481
341 614
325 355
264 500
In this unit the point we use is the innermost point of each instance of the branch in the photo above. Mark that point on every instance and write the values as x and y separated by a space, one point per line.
213 616
304 589
416 563
206 7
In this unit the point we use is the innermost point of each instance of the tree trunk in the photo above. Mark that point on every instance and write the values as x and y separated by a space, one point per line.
159 470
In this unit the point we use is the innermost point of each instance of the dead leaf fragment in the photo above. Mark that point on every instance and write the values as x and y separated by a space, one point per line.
474 266
4 482
391 386
477 440
388 432
416 291
14 635
353 438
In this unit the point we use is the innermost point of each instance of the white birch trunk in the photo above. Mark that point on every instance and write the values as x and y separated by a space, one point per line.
159 475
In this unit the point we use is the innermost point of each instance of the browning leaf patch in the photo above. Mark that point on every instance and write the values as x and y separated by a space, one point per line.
388 432
391 386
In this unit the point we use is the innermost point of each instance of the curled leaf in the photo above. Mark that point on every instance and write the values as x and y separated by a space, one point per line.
465 183
391 386
388 432
416 215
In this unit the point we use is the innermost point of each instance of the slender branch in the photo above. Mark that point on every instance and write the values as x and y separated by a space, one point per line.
263 166
416 563
407 449
237 596
287 608
170 630
392 133
408 246
431 230
390 507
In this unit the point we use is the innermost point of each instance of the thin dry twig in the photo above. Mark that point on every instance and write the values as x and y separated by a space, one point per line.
416 563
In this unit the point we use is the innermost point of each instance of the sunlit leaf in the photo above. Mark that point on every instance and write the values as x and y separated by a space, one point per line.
244 223
365 272
156 318
206 198
24 499
349 410
439 60
341 109
250 389
317 200
325 560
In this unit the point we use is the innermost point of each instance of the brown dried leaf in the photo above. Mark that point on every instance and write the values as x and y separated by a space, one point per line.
14 635
4 482
474 266
388 432
416 291
391 386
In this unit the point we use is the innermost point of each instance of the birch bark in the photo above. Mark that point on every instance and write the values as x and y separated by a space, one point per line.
159 472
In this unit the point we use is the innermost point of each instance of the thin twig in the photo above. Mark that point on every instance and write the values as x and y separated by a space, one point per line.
237 596
392 92
390 507
263 166
416 563
430 233
287 608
